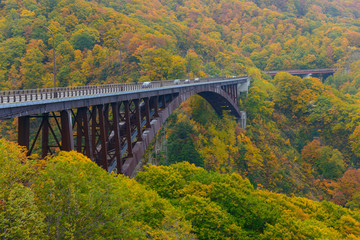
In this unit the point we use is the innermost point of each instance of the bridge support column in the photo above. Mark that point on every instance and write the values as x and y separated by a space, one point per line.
156 106
88 145
67 141
243 119
79 130
84 128
93 131
45 135
234 90
24 131
106 118
138 119
116 121
236 93
128 128
163 102
147 112
244 87
103 137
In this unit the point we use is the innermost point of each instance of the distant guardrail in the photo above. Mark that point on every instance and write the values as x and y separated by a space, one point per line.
303 71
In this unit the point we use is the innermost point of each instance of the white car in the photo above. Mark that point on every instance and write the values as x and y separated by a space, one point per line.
177 81
146 85
196 80
186 81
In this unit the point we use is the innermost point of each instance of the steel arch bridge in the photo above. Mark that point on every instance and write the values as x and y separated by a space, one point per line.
111 124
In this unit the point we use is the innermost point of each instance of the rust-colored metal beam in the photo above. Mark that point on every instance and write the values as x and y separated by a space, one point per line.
93 131
147 112
79 131
233 92
45 135
138 119
24 131
128 128
85 126
106 118
156 106
236 94
116 122
67 140
103 137
163 101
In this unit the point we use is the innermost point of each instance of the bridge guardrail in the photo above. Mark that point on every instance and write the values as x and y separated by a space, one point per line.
304 71
27 95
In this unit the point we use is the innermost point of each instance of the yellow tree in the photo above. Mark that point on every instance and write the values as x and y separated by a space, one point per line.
32 67
20 217
354 140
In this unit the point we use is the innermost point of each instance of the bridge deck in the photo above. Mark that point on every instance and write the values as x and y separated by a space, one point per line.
111 124
304 71
36 101
29 95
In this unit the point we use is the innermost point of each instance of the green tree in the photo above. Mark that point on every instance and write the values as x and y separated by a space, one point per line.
331 163
292 228
81 200
20 217
83 40
177 68
32 67
78 200
287 90
354 140
257 104
181 146
11 51
209 220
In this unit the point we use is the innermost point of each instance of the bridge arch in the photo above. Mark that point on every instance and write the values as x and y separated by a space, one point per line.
111 124
220 98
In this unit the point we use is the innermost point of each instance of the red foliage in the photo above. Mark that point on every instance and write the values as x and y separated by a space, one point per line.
347 186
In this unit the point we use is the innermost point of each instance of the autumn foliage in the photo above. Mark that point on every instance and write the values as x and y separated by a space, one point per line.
197 38
302 140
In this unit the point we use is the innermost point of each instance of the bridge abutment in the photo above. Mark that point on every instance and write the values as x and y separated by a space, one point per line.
242 119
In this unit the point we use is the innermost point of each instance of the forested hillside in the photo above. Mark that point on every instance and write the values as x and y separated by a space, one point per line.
70 197
293 173
199 38
302 138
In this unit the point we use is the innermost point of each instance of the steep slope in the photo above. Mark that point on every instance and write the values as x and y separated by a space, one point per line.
199 38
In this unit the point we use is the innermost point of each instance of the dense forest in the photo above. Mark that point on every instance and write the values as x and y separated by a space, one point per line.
70 197
198 38
293 173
